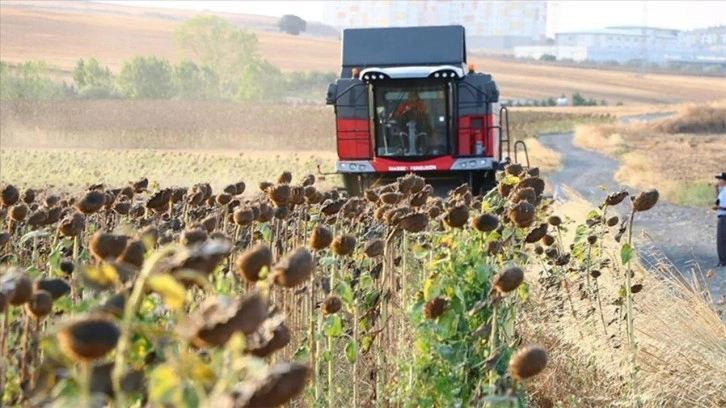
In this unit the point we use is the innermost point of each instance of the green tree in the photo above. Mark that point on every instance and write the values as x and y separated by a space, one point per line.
28 80
90 73
194 82
260 82
92 80
292 24
221 46
146 78
578 100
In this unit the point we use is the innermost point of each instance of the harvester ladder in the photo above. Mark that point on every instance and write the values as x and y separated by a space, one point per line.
505 138
504 134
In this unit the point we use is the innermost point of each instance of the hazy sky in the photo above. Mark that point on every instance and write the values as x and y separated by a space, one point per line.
569 14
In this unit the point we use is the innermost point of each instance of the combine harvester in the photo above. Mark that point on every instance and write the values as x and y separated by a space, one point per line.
408 102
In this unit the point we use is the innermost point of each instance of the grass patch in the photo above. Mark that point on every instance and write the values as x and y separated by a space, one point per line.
699 195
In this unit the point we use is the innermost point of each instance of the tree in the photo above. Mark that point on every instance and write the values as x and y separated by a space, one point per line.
260 82
146 78
292 24
194 82
578 100
91 80
28 80
91 74
221 46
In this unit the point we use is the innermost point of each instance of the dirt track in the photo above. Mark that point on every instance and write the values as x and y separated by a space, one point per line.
686 236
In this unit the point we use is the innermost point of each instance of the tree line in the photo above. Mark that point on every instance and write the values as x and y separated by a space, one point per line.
223 63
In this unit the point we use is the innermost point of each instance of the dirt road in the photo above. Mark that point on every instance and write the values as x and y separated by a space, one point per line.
685 236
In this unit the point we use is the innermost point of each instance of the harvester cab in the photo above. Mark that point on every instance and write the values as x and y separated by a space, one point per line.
408 102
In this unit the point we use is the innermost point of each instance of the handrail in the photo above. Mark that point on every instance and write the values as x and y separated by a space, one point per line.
504 114
524 146
347 90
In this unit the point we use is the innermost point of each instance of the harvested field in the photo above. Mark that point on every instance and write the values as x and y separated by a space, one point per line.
169 124
114 34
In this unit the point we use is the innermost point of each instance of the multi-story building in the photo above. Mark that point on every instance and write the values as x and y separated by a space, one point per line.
489 24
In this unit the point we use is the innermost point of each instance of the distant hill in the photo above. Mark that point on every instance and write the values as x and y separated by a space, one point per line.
61 32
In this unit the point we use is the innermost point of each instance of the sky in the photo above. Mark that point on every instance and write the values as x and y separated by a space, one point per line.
569 15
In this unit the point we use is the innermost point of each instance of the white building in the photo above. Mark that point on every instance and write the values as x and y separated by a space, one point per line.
623 44
489 24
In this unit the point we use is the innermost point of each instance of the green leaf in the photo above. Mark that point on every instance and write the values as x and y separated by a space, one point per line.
523 292
326 261
351 351
506 233
33 235
626 253
302 353
460 294
592 214
346 293
333 326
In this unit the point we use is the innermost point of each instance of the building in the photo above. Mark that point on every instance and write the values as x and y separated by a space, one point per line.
624 44
489 24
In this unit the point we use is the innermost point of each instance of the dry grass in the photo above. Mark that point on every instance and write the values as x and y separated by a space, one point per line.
167 124
614 111
681 339
547 160
695 118
63 32
655 153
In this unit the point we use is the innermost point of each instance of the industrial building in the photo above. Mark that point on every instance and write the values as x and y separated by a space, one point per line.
489 24
623 44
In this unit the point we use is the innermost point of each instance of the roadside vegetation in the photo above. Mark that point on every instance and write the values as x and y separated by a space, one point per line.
678 154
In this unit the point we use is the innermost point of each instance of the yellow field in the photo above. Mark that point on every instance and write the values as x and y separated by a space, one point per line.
63 32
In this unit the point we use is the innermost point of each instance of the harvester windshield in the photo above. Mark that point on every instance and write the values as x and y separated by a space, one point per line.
411 121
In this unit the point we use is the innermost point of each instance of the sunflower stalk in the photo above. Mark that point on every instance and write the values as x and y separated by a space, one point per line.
130 309
629 318
331 385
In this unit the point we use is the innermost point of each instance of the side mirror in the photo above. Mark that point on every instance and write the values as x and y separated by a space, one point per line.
332 94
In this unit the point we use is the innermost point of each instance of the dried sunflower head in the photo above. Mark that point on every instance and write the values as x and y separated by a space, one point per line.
508 279
645 200
527 362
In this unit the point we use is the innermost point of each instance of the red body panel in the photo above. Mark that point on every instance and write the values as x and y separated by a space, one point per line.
354 139
473 129
439 163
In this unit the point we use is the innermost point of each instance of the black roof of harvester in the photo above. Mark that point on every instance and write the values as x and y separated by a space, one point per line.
402 46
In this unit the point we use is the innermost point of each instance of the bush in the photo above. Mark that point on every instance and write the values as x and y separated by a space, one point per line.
194 82
547 57
146 78
260 81
97 92
28 80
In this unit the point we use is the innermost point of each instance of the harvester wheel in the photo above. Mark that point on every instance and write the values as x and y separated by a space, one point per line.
353 184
